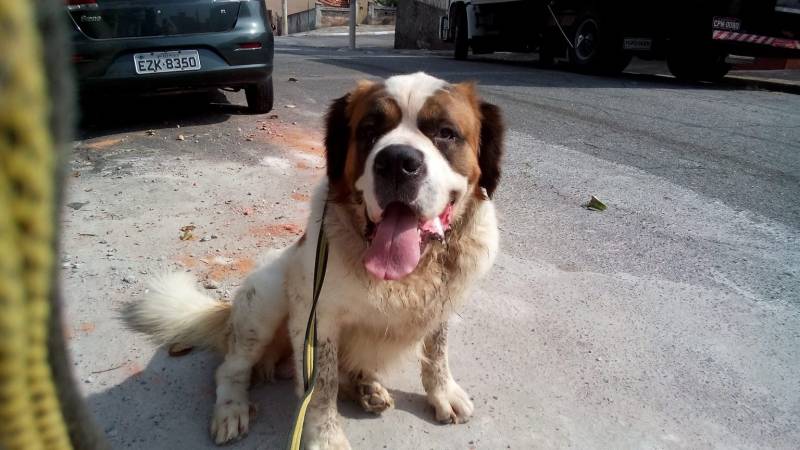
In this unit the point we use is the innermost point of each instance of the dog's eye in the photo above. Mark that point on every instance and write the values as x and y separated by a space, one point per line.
367 133
447 133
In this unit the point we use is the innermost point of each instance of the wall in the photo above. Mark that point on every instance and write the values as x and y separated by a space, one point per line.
302 21
381 15
334 17
294 6
418 24
320 16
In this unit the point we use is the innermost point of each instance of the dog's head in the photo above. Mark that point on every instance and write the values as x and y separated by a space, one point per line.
409 154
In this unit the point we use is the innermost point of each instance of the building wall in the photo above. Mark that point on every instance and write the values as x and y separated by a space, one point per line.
294 6
302 21
418 24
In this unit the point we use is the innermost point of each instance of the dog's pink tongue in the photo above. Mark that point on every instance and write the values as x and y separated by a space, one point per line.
394 252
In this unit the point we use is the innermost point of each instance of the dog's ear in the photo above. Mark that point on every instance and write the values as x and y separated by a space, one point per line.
490 152
337 138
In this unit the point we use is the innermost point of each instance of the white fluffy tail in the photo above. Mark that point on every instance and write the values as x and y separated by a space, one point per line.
174 311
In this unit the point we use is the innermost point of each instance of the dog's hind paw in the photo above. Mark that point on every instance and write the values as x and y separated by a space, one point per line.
452 405
374 398
231 421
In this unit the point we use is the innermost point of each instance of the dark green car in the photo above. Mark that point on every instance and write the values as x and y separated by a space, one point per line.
172 45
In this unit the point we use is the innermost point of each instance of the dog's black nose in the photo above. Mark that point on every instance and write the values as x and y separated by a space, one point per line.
399 163
399 172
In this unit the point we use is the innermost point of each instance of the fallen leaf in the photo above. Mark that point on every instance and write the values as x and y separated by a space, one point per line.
186 232
77 205
290 106
181 137
595 204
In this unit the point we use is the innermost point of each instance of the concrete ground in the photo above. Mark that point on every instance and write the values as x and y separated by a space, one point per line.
668 321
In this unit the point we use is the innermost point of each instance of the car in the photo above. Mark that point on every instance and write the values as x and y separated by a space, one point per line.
173 45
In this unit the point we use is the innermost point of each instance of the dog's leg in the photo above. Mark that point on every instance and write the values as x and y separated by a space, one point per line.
451 403
258 312
322 430
366 389
276 360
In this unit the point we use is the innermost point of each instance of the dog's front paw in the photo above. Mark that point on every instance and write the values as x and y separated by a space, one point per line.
326 438
374 398
452 404
231 421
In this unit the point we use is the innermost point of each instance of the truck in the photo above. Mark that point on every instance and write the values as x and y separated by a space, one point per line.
698 39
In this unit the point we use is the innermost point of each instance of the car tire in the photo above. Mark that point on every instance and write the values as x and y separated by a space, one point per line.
260 97
597 48
461 34
702 63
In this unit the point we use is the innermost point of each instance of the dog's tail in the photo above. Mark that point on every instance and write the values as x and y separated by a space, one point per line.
174 311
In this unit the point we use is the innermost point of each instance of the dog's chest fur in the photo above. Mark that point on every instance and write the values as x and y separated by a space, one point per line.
379 321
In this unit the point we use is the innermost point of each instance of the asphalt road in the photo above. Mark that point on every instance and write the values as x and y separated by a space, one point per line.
668 321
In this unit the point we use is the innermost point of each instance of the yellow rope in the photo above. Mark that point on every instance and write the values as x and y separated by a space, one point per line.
30 416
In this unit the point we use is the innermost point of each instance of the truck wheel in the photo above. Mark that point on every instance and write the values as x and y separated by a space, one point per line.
260 97
697 64
460 33
597 47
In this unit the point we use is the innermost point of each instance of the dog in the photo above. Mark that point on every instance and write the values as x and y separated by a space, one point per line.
412 163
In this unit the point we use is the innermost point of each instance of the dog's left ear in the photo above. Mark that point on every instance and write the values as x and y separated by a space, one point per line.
337 138
490 151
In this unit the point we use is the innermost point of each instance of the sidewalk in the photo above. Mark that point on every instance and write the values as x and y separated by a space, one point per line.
778 80
361 30
782 80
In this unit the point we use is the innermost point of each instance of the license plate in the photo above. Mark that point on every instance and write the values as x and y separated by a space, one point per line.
160 62
637 44
727 23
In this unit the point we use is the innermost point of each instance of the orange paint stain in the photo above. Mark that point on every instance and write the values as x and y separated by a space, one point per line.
277 230
237 268
300 197
133 369
103 144
187 262
292 136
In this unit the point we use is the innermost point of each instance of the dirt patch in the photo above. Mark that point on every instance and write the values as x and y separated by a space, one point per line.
102 144
231 268
295 137
133 369
187 261
86 327
300 197
276 230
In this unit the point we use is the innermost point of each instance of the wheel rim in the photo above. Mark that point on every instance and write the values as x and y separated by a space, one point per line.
586 40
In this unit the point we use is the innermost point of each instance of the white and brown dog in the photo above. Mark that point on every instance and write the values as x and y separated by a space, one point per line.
412 163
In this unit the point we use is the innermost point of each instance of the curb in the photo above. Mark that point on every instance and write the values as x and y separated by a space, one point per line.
771 84
358 33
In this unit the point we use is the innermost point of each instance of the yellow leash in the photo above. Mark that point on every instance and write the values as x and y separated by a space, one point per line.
310 342
30 415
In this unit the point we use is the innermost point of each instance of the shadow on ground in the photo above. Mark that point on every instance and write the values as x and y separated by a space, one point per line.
110 113
500 69
168 405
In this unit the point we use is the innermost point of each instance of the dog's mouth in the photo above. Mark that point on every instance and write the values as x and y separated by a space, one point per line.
397 241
